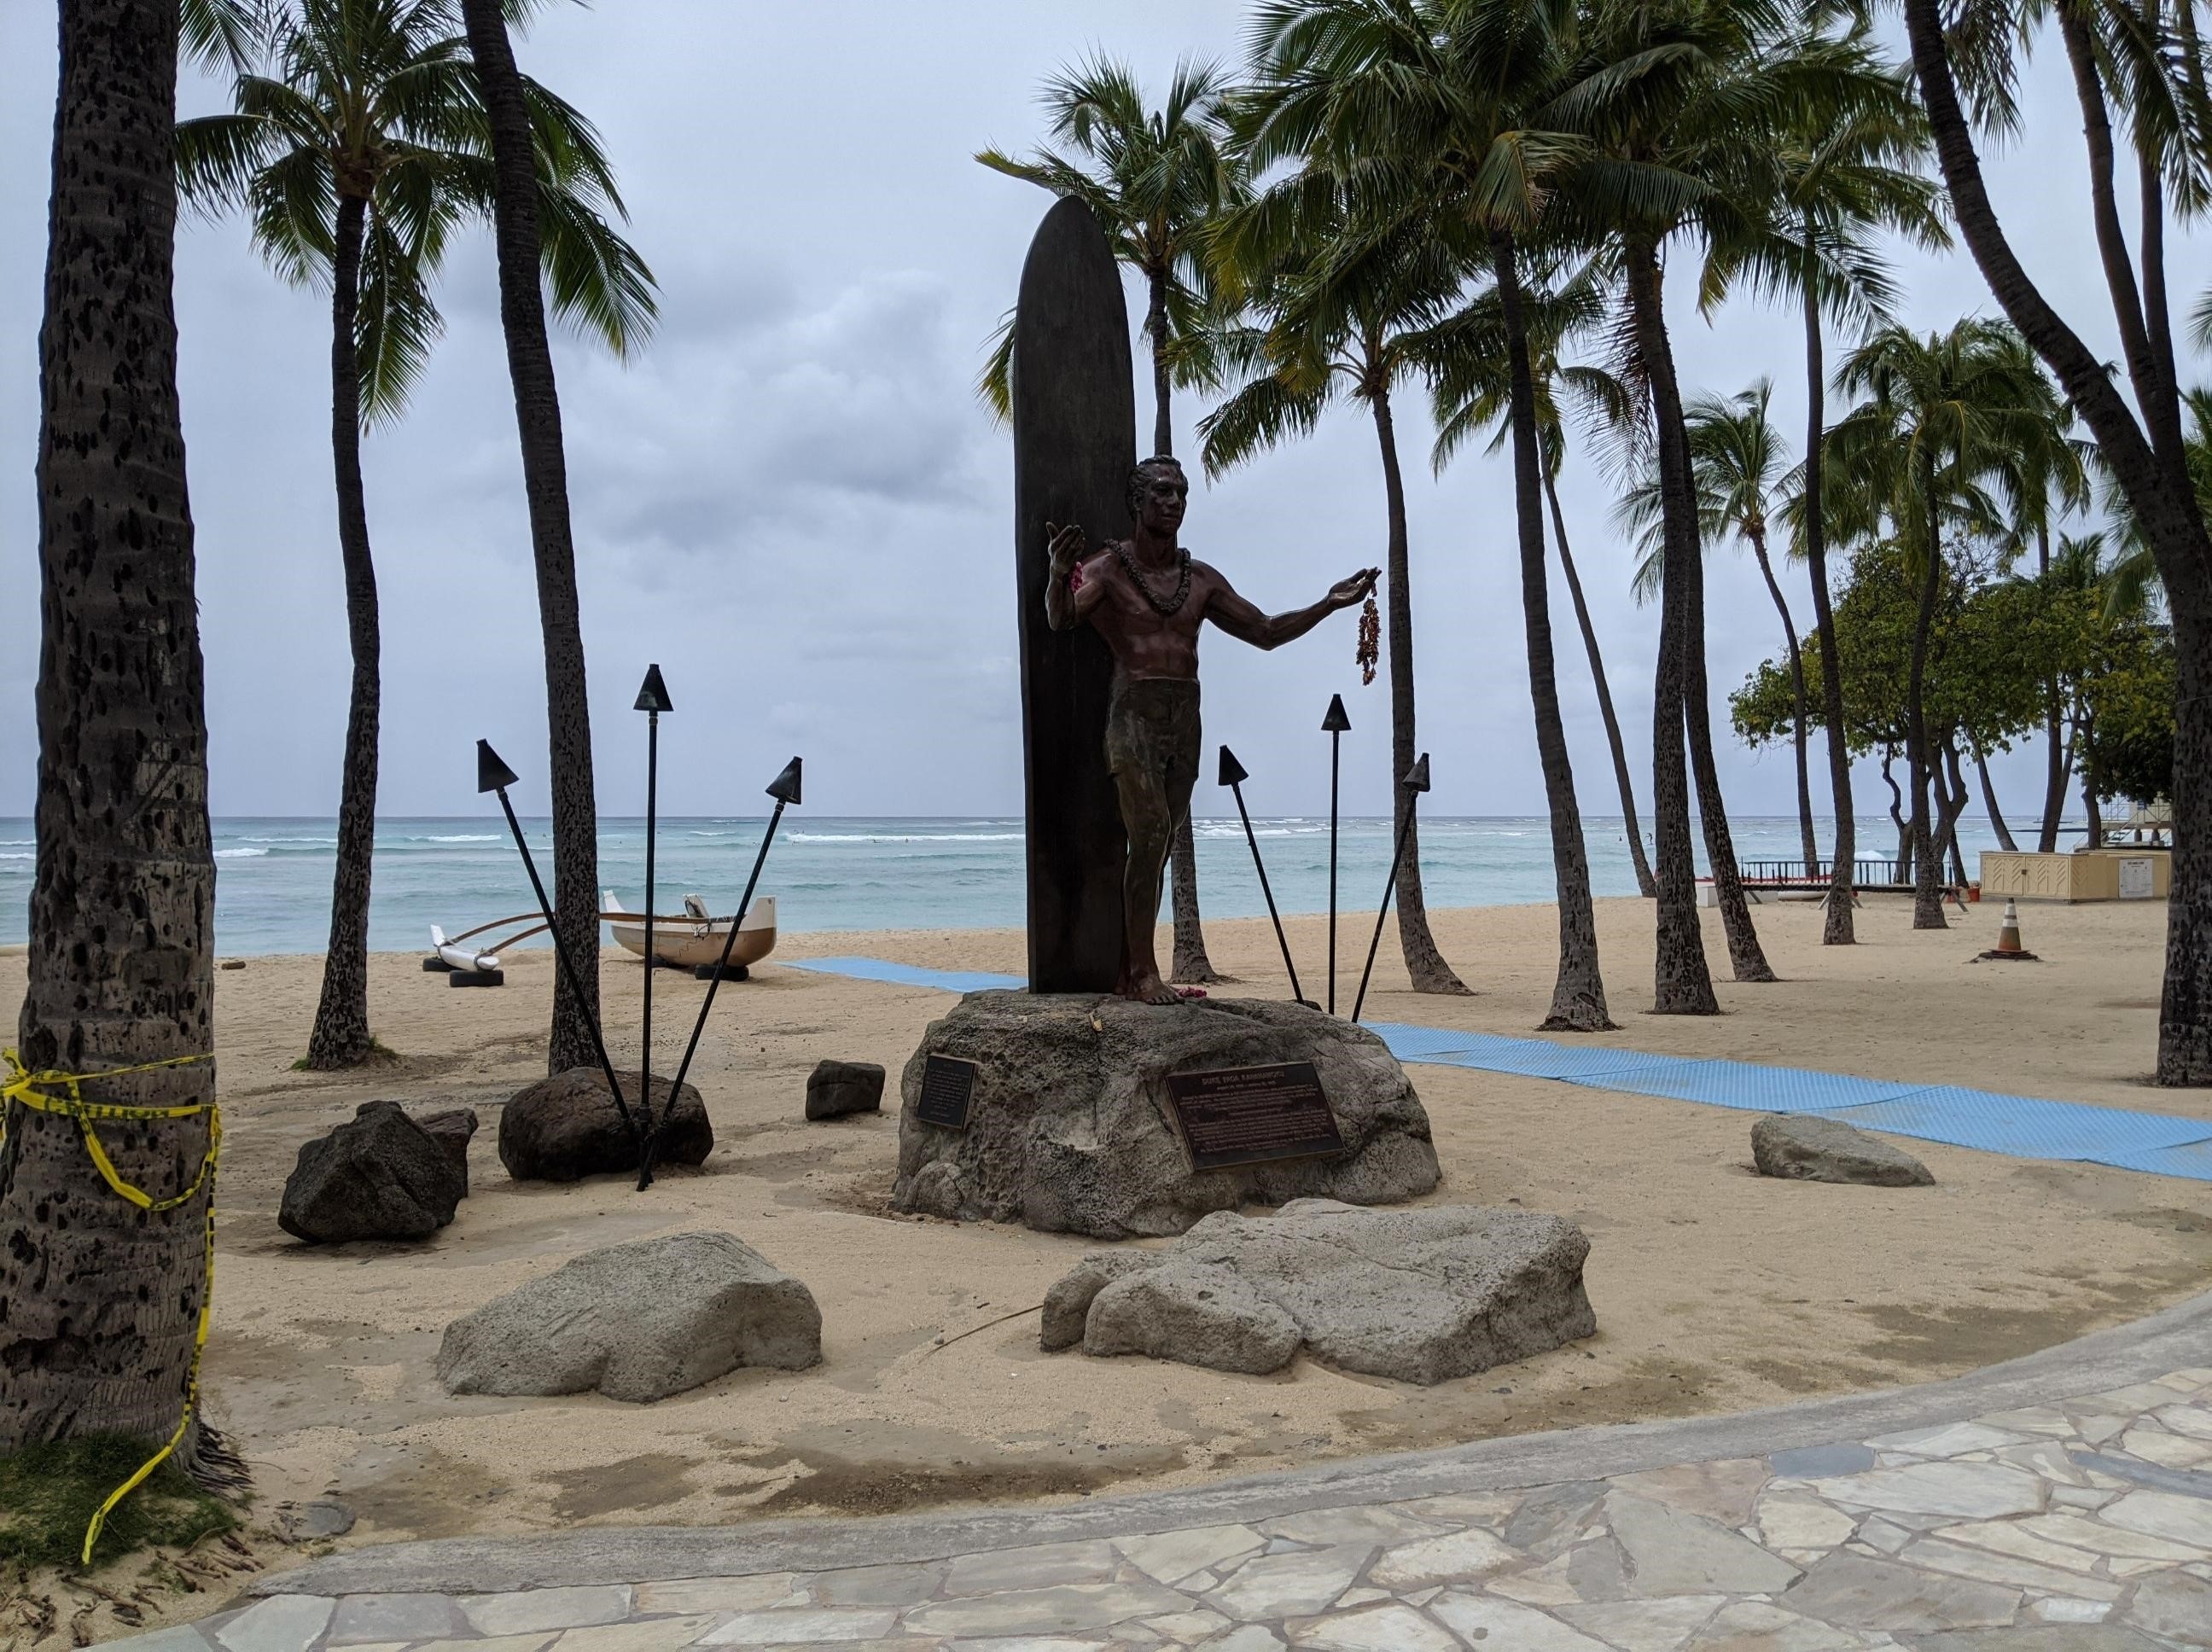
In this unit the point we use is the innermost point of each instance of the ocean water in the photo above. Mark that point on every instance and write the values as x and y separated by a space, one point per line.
273 875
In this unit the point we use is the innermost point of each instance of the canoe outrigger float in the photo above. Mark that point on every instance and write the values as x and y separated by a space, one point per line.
689 940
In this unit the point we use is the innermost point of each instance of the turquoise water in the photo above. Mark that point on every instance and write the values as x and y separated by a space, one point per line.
273 875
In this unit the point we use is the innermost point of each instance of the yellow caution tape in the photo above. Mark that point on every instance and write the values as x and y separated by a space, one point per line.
39 1092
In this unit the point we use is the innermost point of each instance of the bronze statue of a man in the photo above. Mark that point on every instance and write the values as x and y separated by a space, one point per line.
1147 596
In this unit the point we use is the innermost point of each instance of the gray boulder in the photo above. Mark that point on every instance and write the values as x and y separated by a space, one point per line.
1805 1147
453 1128
638 1322
835 1088
1068 1304
1070 1128
380 1175
1418 1296
566 1127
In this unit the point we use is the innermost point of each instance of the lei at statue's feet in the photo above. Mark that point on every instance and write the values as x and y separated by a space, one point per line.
1148 988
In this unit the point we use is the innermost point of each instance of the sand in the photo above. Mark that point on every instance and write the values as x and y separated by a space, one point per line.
1715 1289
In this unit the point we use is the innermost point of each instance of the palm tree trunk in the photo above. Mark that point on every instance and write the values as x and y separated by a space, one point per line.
340 1036
1191 963
99 1300
2160 413
2057 759
1155 329
1838 929
2086 729
2160 492
1904 829
1578 993
1745 954
1645 885
1951 799
545 480
1424 962
1758 538
1920 759
2055 772
1682 983
1989 801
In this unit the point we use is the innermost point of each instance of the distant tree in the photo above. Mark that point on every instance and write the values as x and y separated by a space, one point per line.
1342 313
1441 105
1836 176
2155 68
1471 391
1943 415
1739 468
1156 180
355 159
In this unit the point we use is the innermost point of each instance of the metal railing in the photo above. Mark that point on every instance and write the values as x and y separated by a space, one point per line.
1865 874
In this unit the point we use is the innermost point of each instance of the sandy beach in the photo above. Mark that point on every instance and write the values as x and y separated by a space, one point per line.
1715 1289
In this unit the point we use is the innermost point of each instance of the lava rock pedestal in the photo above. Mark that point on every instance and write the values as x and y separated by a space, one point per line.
1070 1128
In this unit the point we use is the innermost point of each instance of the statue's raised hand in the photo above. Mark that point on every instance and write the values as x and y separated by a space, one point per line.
1065 544
1345 593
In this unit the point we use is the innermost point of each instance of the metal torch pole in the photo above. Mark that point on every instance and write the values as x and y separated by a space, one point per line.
568 967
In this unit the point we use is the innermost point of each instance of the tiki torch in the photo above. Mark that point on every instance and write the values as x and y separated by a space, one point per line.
494 775
1416 782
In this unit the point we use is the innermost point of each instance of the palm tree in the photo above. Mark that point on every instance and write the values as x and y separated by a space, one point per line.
1841 174
1944 414
2142 445
1473 391
523 221
1681 100
1343 312
1441 101
100 1297
1737 464
355 160
1156 180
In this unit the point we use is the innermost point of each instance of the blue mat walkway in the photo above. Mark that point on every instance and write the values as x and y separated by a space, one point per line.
2025 1127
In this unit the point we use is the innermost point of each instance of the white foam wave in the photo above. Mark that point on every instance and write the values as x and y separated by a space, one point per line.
904 837
240 854
463 837
18 857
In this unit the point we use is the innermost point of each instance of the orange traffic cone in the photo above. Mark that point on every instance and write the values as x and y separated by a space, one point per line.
2008 948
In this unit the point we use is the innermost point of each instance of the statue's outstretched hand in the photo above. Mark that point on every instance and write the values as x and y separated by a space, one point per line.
1065 544
1345 593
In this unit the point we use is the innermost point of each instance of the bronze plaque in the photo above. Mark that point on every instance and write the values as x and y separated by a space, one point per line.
948 1084
1252 1115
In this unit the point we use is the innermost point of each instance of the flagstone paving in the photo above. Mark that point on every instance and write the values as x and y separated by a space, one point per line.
2083 1524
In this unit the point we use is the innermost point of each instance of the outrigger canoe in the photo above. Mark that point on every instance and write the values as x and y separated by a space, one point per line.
691 939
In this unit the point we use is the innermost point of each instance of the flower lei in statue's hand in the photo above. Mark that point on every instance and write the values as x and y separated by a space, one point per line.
1371 640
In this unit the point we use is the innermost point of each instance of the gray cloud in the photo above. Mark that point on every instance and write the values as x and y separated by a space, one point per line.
792 500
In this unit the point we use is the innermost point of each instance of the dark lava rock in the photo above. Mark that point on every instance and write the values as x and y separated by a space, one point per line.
452 1128
566 1127
380 1175
837 1087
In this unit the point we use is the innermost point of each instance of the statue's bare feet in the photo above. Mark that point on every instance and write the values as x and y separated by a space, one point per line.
1145 986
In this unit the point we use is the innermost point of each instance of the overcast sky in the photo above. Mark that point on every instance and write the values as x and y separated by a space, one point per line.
793 500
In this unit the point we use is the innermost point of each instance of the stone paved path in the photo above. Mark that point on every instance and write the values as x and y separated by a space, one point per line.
2080 1524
